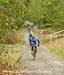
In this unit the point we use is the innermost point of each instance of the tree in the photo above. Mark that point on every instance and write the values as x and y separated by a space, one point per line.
12 14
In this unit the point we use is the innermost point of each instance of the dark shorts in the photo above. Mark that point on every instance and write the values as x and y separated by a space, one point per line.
34 48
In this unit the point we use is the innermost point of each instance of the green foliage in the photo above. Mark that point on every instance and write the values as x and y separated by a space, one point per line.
12 38
47 13
10 56
58 52
44 13
11 15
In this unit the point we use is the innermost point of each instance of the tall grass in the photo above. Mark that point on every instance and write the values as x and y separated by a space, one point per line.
10 56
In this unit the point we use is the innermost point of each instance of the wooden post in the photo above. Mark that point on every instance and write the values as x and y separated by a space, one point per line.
51 39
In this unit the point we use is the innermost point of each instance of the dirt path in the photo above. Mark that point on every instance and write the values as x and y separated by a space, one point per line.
45 63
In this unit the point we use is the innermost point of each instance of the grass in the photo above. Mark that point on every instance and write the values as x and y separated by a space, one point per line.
58 52
10 53
13 37
10 56
57 49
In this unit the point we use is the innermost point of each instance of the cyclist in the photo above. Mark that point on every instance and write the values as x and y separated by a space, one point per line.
34 44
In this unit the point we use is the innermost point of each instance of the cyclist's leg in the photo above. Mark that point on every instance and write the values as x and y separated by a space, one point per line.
35 51
31 48
32 51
